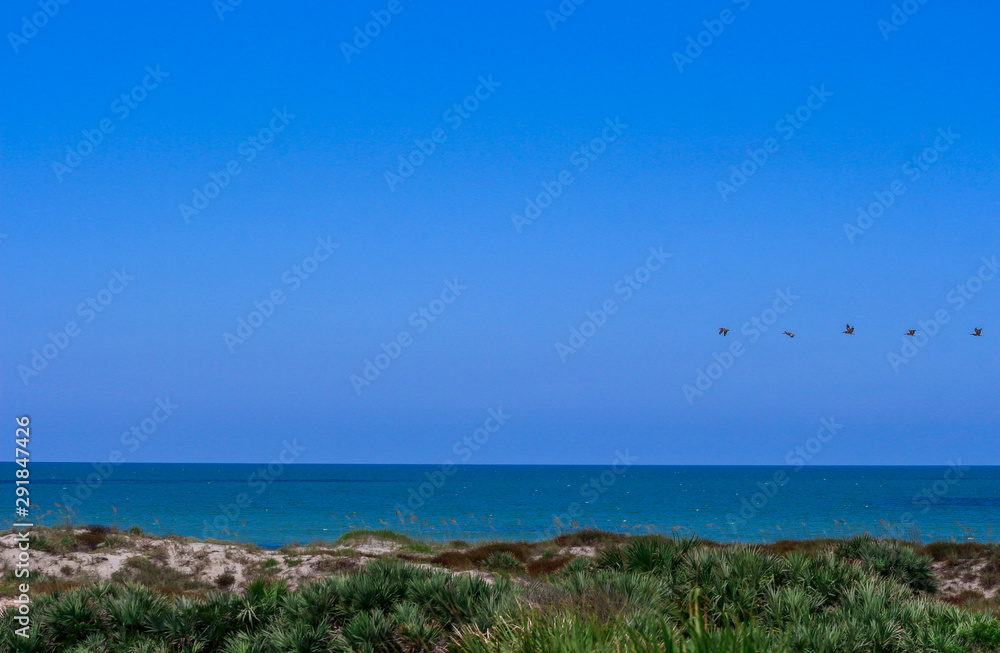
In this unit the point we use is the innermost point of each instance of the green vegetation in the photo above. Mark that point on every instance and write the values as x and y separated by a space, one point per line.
417 547
66 540
899 563
352 537
503 561
225 580
152 572
636 595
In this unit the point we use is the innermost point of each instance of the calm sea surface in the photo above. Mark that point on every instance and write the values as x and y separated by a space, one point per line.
271 507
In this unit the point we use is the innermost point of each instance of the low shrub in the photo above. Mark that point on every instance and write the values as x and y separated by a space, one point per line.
953 550
548 565
891 560
90 540
984 633
225 580
589 537
991 571
503 561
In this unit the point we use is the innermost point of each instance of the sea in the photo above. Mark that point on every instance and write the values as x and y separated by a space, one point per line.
274 505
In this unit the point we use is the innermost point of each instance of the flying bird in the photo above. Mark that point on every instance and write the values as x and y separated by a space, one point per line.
978 332
723 331
911 332
850 330
790 335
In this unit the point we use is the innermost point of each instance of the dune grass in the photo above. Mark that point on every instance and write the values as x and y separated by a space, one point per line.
640 594
352 537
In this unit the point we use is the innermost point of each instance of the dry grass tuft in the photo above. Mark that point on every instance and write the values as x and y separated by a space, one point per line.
545 566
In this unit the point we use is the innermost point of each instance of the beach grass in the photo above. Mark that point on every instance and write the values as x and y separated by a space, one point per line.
580 592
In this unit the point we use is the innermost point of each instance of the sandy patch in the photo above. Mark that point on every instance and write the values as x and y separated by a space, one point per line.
962 576
581 551
372 547
203 562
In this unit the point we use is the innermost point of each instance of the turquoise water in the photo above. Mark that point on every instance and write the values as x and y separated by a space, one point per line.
271 507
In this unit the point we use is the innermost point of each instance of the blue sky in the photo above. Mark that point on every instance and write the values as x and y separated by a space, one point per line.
618 113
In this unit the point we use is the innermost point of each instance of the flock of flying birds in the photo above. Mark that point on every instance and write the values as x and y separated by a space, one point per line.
850 331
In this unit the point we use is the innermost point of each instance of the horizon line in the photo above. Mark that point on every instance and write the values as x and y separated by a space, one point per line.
439 464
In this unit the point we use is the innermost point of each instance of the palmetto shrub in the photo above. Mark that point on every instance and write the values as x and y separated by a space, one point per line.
454 601
130 612
244 642
260 602
70 617
370 631
646 554
891 560
503 561
417 631
612 557
296 638
365 592
576 566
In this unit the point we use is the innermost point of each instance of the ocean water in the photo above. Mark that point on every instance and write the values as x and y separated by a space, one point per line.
273 506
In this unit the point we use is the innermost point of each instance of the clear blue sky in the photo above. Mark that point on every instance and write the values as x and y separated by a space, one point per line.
545 94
